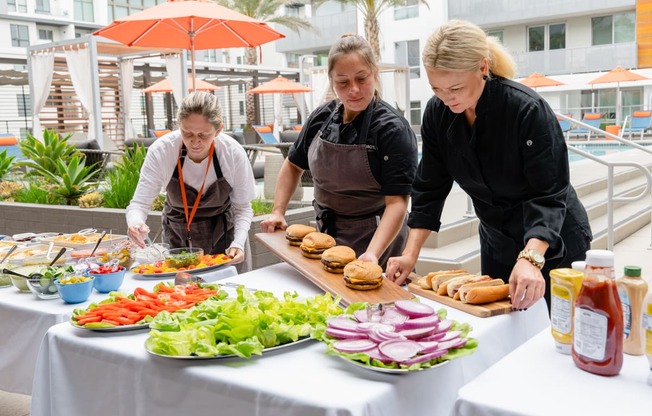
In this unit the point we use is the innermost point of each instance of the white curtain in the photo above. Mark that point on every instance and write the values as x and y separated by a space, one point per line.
278 115
320 86
42 65
79 66
126 86
173 65
300 100
400 89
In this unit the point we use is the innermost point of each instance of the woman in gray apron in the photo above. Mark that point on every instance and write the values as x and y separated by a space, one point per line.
208 182
362 155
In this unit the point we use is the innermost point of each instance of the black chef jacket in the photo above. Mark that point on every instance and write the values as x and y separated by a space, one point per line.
391 144
513 163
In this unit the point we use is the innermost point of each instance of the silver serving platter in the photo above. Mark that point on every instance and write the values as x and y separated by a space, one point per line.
266 350
119 328
396 371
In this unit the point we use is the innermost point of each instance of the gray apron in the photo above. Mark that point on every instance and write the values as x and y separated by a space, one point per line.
348 203
213 225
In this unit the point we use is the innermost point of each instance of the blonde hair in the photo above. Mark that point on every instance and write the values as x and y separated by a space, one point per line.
203 103
350 43
460 46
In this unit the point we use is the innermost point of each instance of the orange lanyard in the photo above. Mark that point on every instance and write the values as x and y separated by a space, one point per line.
190 217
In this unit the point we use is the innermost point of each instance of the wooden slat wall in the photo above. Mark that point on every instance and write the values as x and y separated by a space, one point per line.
644 32
64 113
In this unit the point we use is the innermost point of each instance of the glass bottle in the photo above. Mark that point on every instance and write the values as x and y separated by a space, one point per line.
598 322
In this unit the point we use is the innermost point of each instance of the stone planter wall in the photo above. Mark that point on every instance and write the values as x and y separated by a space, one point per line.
20 218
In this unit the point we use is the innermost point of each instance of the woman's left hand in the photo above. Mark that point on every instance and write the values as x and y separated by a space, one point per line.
526 285
236 254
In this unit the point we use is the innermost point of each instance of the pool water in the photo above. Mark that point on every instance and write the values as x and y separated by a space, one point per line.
597 149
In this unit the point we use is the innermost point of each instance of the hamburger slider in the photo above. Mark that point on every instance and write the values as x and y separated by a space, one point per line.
315 243
295 233
363 275
335 258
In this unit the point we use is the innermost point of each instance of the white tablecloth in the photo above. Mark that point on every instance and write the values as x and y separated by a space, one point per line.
25 319
81 372
537 380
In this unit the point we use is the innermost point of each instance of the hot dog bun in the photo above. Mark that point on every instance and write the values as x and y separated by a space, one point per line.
456 283
485 283
479 295
437 278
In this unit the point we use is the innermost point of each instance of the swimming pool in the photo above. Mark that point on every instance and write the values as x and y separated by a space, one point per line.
597 149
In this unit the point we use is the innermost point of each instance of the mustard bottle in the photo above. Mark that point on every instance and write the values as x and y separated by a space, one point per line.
647 329
632 290
565 284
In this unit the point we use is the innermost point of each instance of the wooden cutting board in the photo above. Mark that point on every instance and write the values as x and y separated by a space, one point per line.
483 311
329 282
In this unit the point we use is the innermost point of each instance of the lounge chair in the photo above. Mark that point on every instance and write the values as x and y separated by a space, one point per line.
265 134
565 125
593 120
640 122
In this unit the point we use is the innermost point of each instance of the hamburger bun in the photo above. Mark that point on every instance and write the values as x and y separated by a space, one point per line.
363 275
315 243
335 258
295 233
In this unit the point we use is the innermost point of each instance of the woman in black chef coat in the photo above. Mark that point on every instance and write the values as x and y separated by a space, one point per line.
502 144
362 155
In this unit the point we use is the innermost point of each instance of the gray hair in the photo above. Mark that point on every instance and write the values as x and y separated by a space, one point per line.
203 103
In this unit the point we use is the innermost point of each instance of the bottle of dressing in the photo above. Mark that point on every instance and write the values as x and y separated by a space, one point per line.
632 290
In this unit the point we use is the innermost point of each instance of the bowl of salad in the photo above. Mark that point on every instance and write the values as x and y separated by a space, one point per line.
183 257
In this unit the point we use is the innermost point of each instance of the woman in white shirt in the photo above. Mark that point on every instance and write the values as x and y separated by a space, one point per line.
208 182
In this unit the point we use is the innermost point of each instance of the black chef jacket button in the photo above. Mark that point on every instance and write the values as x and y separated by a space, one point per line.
386 158
529 143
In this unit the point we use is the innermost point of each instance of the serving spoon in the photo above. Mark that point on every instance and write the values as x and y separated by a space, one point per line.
99 240
11 250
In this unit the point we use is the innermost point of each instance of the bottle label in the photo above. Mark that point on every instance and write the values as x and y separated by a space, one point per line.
560 311
590 336
627 310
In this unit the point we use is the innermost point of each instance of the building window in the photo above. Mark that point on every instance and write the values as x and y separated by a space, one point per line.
407 53
46 34
496 34
84 10
415 113
24 105
19 36
617 28
79 33
549 37
241 108
238 60
408 11
241 88
17 6
43 6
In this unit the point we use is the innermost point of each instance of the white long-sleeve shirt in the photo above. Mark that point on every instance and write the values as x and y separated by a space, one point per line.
159 165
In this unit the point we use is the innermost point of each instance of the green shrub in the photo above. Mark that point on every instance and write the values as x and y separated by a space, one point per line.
261 206
5 164
158 203
36 191
71 180
42 156
123 178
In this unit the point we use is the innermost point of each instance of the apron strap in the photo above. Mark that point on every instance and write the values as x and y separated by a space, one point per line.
216 164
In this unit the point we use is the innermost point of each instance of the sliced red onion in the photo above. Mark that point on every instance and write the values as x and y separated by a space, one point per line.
429 346
444 325
414 309
400 350
380 335
426 321
434 337
417 333
425 357
342 334
393 316
361 315
453 343
354 345
451 335
343 323
375 354
369 326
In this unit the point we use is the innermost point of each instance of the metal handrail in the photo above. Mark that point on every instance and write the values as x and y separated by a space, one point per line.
610 175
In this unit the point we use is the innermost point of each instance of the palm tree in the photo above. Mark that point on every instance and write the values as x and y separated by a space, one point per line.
370 10
265 11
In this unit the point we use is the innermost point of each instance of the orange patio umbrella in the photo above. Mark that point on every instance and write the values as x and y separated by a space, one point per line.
190 25
280 85
536 80
166 86
618 75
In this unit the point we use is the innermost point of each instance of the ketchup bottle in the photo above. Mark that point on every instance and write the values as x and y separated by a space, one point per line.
598 321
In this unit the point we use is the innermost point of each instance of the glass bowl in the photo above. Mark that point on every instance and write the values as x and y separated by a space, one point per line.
183 257
107 282
5 279
75 288
43 288
19 282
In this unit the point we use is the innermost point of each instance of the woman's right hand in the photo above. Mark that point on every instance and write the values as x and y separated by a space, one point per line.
274 221
399 268
138 233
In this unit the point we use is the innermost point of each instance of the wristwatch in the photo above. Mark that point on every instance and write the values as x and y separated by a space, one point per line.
533 256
